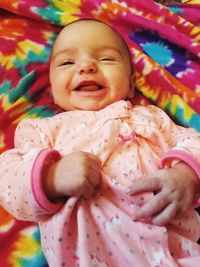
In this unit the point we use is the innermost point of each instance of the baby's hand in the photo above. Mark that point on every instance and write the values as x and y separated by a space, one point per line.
174 190
77 174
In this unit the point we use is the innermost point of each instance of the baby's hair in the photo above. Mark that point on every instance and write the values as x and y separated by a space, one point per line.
115 31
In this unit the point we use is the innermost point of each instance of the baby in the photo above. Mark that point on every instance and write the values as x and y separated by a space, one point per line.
111 184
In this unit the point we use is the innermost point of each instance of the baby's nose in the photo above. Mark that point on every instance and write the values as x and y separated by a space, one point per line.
88 66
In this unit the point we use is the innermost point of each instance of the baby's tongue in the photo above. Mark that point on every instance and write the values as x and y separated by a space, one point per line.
89 87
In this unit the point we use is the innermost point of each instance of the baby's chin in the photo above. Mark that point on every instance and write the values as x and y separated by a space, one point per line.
89 106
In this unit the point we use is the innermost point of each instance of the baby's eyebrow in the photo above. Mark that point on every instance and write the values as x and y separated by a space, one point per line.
64 51
113 48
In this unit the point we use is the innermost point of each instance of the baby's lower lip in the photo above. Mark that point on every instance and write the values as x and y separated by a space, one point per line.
91 93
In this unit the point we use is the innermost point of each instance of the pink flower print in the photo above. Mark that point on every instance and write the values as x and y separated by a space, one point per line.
126 134
113 224
158 256
131 138
82 127
100 148
186 246
50 253
129 175
96 262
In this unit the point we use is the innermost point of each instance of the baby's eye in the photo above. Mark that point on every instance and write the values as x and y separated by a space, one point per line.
107 59
67 63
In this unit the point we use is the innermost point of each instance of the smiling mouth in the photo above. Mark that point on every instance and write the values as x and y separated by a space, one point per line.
89 88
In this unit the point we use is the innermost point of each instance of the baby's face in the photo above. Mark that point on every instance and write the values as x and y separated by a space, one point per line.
90 67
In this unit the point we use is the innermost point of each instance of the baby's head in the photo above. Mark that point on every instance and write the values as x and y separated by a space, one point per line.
90 66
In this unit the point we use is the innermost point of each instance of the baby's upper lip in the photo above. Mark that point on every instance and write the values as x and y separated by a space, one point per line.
89 84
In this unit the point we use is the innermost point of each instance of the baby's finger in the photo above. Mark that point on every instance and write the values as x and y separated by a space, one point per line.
166 215
94 176
94 158
87 190
144 185
152 207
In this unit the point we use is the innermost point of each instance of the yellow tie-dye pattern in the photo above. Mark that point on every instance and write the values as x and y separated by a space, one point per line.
68 10
195 32
26 46
190 1
7 106
140 81
8 61
17 110
25 247
143 87
176 101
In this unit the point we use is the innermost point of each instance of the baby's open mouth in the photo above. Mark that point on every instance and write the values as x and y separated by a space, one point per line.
89 87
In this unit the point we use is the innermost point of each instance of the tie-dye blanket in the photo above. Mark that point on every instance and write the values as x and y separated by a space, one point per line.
164 42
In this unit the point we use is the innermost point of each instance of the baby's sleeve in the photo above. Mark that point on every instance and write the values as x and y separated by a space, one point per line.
21 171
183 144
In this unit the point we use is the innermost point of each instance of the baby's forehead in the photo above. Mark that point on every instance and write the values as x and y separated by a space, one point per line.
85 23
89 29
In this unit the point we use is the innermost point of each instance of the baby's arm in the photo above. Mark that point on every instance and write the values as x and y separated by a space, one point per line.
22 171
178 179
174 189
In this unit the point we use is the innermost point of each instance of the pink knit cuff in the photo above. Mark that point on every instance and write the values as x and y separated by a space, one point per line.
180 155
175 154
45 157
